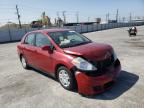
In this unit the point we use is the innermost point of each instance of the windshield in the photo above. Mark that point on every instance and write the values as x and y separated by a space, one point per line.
65 39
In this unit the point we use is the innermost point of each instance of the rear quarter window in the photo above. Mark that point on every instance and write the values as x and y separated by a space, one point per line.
30 39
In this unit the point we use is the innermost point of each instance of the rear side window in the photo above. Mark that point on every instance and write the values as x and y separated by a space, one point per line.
42 40
30 39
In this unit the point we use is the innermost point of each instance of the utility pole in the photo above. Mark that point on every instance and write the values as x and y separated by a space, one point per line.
64 16
123 19
77 17
108 16
58 15
18 15
88 19
130 18
58 19
117 15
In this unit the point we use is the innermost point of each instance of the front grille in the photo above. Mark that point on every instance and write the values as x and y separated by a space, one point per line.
103 64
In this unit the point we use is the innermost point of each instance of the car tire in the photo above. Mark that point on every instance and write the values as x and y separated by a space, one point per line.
66 78
24 62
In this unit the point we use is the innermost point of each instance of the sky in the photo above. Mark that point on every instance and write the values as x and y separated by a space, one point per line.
88 9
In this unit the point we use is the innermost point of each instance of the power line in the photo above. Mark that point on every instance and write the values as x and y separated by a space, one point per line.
5 8
35 8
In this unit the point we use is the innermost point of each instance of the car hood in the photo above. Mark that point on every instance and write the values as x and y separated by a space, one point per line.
91 51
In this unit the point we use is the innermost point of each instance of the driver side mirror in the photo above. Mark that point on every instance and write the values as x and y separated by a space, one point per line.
47 48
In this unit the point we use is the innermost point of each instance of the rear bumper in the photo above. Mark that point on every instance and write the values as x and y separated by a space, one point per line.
89 85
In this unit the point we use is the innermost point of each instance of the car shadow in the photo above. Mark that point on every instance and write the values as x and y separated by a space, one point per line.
124 82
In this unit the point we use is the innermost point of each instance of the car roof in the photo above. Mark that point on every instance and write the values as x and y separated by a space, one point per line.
49 30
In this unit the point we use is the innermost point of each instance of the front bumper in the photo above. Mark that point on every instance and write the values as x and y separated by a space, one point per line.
89 85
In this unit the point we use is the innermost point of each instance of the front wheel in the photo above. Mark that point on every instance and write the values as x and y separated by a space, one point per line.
66 78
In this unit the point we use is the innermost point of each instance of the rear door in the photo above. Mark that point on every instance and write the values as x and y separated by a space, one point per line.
30 49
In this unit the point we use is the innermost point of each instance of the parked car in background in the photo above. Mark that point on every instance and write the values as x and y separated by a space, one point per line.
36 24
72 58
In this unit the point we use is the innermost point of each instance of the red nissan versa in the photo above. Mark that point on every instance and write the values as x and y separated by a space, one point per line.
72 58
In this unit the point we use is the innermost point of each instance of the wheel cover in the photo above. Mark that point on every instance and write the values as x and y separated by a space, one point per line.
64 78
23 62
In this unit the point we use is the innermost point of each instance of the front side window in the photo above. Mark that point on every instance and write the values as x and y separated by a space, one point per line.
30 39
42 40
66 39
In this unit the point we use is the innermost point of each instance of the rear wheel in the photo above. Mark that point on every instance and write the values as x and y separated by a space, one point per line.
24 63
66 78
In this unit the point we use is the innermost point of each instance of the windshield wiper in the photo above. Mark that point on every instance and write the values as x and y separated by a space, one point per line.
82 43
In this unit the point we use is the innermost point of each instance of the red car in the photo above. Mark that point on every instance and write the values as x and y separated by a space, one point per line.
72 58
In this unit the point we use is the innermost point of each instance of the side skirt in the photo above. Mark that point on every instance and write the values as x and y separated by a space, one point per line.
45 73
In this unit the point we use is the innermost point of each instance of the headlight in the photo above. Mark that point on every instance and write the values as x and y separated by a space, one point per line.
82 64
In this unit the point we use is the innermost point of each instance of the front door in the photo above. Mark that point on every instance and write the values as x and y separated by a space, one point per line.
43 58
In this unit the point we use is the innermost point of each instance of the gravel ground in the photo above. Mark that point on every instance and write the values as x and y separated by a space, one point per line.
21 88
